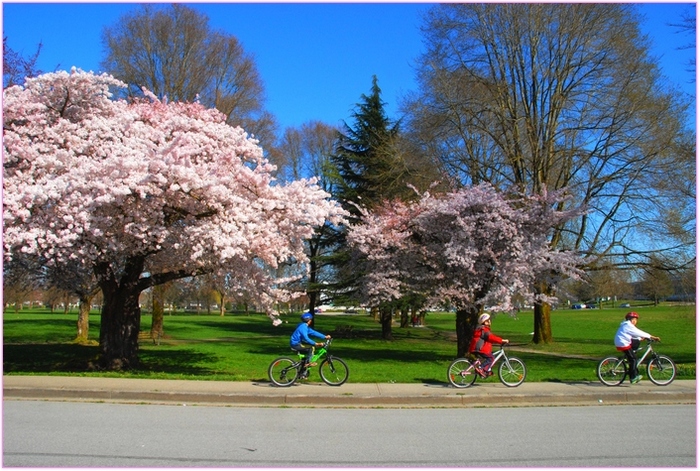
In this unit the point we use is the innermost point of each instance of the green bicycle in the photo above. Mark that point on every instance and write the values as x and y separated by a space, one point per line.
285 371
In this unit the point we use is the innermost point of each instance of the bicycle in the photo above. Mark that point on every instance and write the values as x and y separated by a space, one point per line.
661 370
462 372
285 371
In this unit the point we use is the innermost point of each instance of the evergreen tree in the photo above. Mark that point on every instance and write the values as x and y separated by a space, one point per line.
368 167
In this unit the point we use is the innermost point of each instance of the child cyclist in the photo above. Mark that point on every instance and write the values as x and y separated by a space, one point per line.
627 339
300 336
481 344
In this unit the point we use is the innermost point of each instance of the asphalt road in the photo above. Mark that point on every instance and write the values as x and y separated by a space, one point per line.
88 434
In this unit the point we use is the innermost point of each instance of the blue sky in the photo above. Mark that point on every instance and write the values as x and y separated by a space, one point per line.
315 59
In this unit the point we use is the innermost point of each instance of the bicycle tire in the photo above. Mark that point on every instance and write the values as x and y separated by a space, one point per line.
334 371
461 373
612 371
283 371
661 370
512 372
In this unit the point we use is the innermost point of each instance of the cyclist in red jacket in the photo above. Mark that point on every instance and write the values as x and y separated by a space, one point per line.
481 344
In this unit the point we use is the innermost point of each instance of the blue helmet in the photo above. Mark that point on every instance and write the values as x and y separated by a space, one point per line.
306 316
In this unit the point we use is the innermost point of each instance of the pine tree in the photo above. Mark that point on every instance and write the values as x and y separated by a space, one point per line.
367 168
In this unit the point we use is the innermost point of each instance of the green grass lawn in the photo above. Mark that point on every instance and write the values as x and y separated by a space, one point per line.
239 347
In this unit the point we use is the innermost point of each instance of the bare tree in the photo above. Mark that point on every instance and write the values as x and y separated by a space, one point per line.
172 51
76 280
688 26
542 97
15 67
21 276
656 283
307 152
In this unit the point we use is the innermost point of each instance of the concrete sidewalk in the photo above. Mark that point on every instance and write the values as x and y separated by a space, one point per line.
316 394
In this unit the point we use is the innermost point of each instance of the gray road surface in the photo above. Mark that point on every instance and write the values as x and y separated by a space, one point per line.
85 434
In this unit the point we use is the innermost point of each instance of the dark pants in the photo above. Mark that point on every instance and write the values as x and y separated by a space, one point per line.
486 360
308 351
631 355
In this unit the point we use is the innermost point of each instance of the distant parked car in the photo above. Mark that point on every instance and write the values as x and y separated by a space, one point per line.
625 305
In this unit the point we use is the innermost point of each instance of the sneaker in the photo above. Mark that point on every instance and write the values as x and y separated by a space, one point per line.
489 373
309 365
636 379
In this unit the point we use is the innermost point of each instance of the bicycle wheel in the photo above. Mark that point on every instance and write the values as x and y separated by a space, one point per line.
612 371
461 373
661 370
283 371
334 371
512 372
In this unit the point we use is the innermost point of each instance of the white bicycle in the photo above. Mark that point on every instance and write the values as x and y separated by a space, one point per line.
462 372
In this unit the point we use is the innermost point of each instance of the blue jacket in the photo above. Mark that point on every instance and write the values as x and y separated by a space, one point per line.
301 334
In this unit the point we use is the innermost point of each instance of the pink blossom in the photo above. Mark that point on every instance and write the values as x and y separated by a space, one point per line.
470 247
106 180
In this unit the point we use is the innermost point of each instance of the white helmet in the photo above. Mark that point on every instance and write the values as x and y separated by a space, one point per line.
483 318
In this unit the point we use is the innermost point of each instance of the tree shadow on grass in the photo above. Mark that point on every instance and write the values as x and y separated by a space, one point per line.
178 362
48 358
75 358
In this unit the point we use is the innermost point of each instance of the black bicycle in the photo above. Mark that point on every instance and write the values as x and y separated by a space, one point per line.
285 371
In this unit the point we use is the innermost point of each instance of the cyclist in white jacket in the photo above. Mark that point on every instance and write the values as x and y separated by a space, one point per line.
627 340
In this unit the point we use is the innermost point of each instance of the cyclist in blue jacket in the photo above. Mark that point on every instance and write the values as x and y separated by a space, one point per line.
300 336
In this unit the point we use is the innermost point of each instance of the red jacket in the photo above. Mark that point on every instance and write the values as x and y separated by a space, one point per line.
482 340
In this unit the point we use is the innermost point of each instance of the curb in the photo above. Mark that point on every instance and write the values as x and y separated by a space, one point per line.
359 395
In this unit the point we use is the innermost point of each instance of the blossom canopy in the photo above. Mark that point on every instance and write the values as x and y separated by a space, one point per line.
102 181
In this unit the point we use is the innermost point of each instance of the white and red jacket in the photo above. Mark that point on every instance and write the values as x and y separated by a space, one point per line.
626 332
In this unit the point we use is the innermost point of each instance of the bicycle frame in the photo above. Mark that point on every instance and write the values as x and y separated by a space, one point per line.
641 359
315 356
284 371
496 357
463 372
660 369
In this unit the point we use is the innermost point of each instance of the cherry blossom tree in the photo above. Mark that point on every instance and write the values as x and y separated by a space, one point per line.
470 248
143 192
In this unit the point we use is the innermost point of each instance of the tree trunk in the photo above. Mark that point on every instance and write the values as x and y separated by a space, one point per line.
222 305
121 315
83 323
311 291
404 317
543 326
158 314
66 303
385 314
312 304
465 325
119 331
